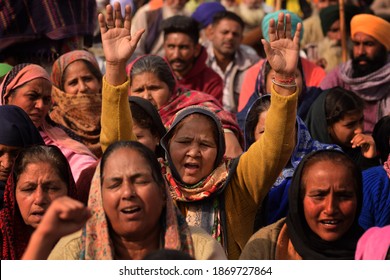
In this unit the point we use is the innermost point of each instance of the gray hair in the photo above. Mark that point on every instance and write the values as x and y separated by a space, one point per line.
156 65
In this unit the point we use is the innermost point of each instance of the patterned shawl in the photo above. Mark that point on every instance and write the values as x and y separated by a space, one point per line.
15 234
183 98
96 242
373 88
23 73
276 205
201 203
77 114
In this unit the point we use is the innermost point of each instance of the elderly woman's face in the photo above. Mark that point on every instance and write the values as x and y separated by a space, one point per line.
34 98
38 185
132 200
148 86
79 79
330 200
193 148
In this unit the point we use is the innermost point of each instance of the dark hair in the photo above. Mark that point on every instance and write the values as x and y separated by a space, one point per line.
181 24
228 15
156 65
381 135
337 157
143 119
261 105
43 153
94 71
146 116
143 151
339 102
168 254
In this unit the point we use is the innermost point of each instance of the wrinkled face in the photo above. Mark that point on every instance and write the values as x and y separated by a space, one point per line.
180 52
34 98
271 74
193 148
368 54
148 86
226 37
176 5
37 187
334 32
7 159
345 129
330 200
132 200
146 137
79 79
260 127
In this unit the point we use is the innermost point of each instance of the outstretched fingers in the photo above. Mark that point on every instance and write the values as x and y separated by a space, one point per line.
118 15
288 26
280 31
110 17
272 30
297 34
127 23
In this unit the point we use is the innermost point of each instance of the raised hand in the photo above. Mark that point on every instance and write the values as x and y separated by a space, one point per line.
118 43
283 51
64 216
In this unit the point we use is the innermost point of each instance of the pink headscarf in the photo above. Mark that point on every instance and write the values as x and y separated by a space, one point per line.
374 244
64 60
15 78
23 73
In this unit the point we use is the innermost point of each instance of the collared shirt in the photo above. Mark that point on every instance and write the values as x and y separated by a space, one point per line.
233 76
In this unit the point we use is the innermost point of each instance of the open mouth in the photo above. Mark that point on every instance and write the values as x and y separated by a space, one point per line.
131 210
330 222
191 166
38 214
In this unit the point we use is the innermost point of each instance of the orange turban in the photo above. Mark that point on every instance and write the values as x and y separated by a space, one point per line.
374 26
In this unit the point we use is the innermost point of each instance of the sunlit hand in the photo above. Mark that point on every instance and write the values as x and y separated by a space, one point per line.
282 50
118 43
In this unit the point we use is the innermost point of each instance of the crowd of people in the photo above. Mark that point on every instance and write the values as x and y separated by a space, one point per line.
174 137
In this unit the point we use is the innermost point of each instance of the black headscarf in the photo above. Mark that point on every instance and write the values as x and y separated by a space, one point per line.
309 245
17 129
148 108
182 115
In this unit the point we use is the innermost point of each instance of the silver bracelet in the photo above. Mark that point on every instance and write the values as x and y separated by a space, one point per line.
284 85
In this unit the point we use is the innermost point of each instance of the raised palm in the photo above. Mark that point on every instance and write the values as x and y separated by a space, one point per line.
282 51
118 44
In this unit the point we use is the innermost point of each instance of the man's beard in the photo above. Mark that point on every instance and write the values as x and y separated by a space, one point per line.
372 65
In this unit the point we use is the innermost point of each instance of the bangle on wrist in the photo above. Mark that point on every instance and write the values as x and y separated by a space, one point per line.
284 85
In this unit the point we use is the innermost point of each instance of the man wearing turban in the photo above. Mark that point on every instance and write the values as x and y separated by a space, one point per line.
329 49
368 72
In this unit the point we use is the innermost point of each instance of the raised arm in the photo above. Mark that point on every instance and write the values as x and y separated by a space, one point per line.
118 46
282 53
259 167
64 216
